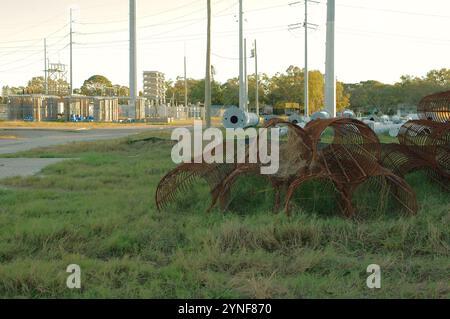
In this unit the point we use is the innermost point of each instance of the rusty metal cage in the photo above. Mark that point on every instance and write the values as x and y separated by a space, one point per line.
435 107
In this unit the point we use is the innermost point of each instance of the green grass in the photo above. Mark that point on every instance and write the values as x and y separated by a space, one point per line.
98 211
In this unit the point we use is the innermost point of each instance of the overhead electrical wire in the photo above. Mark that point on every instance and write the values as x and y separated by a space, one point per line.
163 37
431 15
18 50
174 20
140 17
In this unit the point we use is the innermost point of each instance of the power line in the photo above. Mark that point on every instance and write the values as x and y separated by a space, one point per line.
177 38
35 40
385 35
390 10
21 67
141 17
37 25
20 41
163 23
35 52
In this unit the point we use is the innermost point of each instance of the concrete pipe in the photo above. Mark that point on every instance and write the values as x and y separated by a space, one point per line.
323 115
294 118
349 114
236 118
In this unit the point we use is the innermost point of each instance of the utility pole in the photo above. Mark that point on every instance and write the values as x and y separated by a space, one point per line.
208 70
133 55
185 80
255 55
306 25
242 100
71 53
306 62
45 68
330 79
245 75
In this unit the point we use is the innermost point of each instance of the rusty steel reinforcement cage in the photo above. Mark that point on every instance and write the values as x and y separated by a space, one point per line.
435 107
343 153
429 141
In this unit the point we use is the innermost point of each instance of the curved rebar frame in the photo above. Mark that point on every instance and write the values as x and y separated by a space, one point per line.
401 160
182 177
278 182
353 157
435 107
429 141
355 135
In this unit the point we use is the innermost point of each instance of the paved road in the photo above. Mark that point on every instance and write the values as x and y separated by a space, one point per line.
28 139
10 167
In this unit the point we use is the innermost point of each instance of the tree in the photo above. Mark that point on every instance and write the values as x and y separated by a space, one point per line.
95 86
439 77
230 92
316 91
263 90
196 93
36 85
370 96
289 88
342 97
286 87
175 90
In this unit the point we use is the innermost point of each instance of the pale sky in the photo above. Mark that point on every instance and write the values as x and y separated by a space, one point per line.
375 39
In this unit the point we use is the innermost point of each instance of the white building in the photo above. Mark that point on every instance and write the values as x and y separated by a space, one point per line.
155 87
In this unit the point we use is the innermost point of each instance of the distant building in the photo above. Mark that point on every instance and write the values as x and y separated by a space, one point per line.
155 87
6 91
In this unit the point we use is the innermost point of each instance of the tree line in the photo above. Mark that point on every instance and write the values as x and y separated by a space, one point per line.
277 91
282 88
366 97
374 96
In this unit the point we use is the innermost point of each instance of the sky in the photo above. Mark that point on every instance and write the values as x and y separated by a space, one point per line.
375 39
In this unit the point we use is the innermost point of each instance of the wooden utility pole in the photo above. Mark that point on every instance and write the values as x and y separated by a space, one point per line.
45 68
255 55
208 70
185 83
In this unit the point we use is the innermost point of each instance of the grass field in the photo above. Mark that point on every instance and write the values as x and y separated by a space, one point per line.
92 125
98 211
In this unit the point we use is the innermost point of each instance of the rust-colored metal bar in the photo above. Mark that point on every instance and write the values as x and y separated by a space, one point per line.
435 107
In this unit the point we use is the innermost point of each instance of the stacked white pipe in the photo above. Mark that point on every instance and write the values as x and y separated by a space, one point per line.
236 118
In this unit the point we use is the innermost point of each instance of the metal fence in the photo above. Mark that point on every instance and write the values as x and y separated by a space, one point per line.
181 113
3 112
